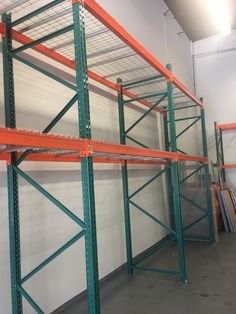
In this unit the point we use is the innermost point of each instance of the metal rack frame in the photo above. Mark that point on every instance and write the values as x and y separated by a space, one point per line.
219 129
175 228
19 146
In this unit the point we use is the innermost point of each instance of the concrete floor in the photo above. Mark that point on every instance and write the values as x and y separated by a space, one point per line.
211 286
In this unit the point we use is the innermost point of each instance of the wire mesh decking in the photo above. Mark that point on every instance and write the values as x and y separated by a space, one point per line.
20 141
105 51
83 37
107 54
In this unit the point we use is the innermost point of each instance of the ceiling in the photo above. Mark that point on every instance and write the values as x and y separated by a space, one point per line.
195 19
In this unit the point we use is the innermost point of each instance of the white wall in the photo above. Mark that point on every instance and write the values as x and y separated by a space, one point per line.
215 64
43 227
158 33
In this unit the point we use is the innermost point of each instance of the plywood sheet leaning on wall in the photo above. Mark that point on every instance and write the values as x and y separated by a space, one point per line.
228 207
215 188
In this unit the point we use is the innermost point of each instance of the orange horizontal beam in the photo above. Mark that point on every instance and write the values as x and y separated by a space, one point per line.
228 166
29 139
52 54
50 157
2 29
226 127
97 11
4 157
144 152
32 139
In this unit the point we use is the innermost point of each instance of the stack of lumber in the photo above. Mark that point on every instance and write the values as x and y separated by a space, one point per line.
224 203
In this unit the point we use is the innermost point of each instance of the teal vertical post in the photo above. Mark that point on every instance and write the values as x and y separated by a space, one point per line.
128 235
176 189
13 202
204 137
169 179
217 143
172 137
86 162
222 155
207 178
219 150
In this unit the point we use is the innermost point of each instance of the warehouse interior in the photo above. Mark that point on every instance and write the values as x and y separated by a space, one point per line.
117 156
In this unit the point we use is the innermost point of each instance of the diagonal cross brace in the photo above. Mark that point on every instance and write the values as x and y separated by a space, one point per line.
154 218
50 126
30 300
191 174
53 256
149 181
193 203
50 197
188 127
146 113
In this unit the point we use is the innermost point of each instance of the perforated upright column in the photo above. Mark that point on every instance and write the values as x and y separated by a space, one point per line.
128 236
86 162
207 178
13 202
176 189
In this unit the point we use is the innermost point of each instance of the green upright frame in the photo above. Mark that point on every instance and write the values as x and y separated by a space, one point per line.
82 98
175 234
175 227
219 151
125 185
88 226
86 162
207 178
175 181
13 193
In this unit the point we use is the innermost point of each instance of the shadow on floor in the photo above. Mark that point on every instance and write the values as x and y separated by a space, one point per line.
211 286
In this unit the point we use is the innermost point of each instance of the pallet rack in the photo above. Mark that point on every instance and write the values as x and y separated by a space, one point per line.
219 129
148 83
